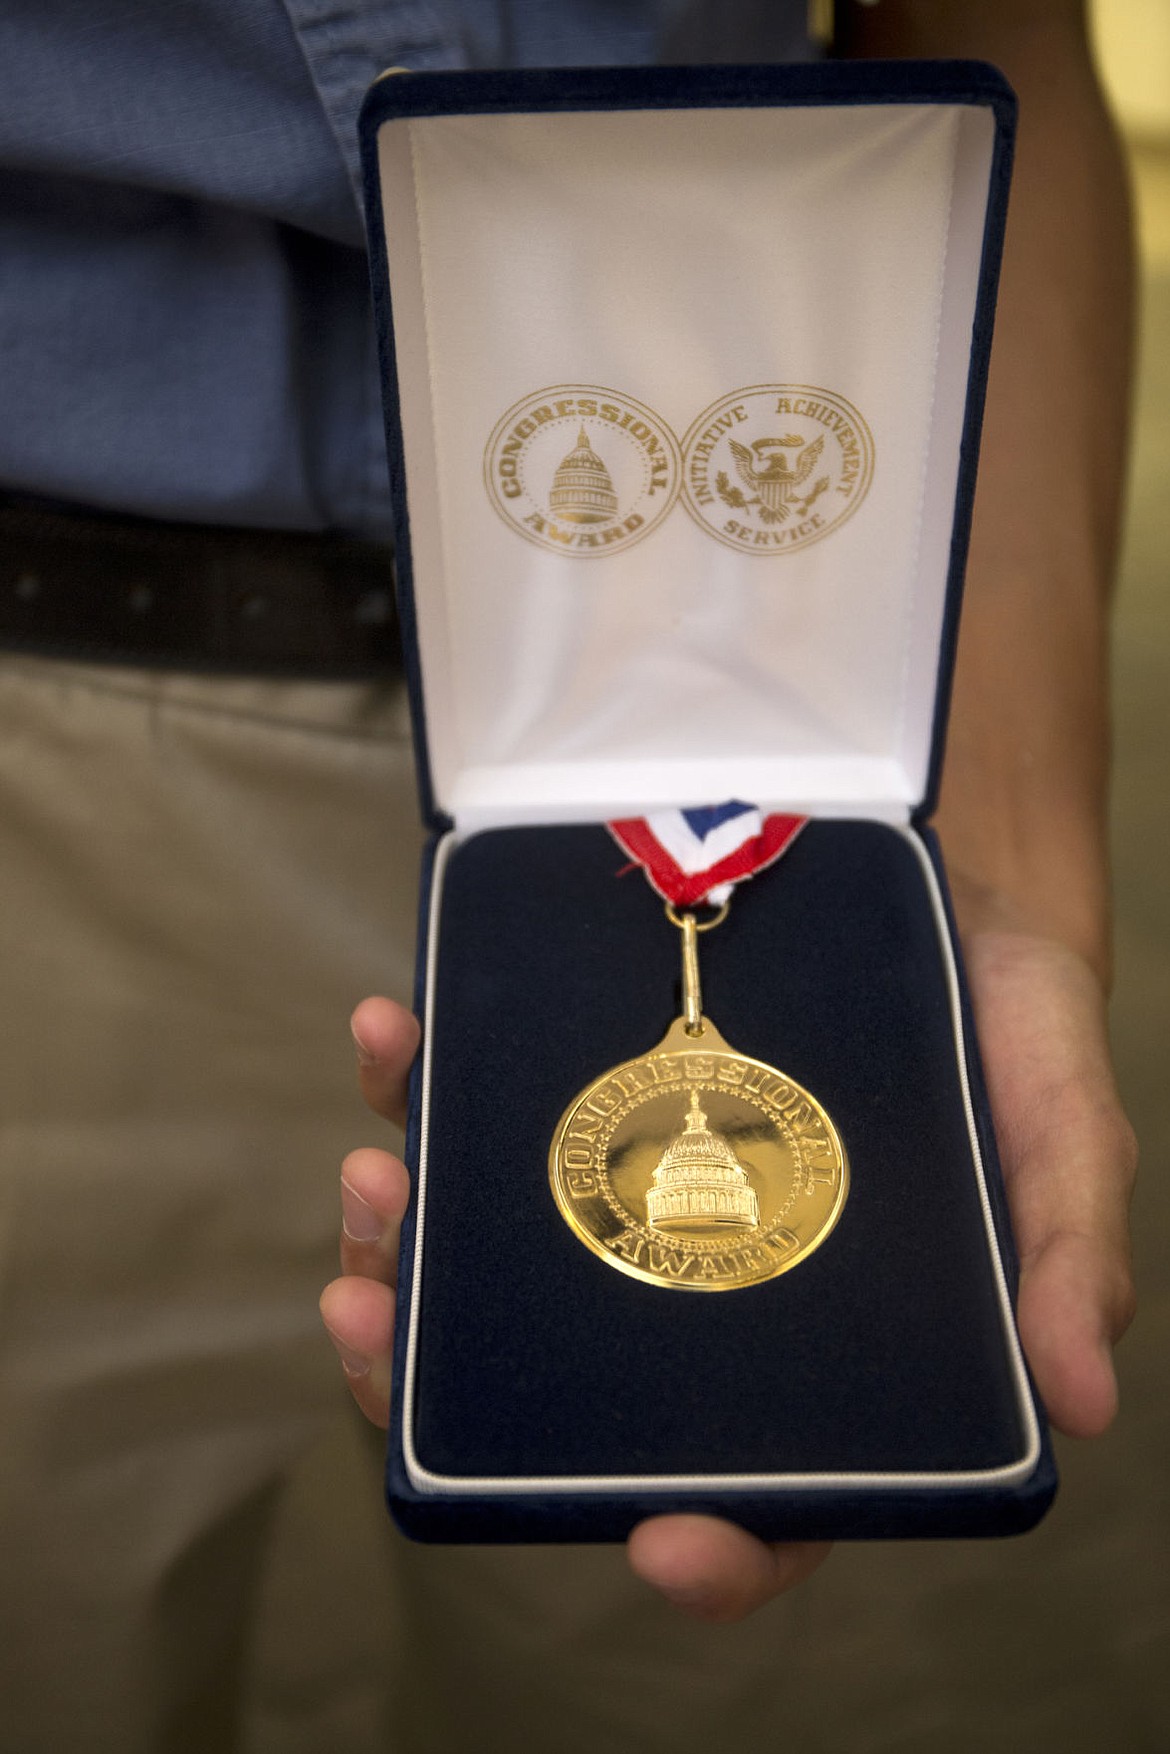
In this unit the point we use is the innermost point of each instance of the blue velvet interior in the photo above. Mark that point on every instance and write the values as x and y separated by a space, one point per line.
882 1351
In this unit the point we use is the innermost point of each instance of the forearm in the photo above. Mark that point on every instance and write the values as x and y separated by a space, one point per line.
1023 804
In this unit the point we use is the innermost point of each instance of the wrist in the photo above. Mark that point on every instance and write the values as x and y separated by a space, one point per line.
1051 887
1023 808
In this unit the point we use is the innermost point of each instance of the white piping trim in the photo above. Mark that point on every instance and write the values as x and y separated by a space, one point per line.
424 1480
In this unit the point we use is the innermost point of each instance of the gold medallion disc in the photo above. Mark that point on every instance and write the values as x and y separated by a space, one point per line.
698 1168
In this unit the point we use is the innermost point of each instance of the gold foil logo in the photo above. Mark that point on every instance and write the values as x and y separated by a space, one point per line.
582 470
773 468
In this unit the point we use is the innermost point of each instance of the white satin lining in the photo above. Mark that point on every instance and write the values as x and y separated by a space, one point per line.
675 257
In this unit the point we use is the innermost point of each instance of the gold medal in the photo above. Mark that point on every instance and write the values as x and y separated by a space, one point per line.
694 1166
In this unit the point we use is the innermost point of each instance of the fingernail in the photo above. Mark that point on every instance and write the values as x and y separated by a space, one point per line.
358 1219
365 1057
353 1363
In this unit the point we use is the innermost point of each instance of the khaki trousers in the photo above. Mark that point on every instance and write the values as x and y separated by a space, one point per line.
197 881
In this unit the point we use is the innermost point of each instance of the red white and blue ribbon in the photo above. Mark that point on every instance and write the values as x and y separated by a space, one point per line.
695 856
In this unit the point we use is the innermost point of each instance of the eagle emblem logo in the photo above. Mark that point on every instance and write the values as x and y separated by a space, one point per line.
774 485
773 467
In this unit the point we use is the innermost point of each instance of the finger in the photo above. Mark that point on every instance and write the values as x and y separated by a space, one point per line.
1070 1195
375 1190
359 1319
1074 1304
715 1570
386 1038
1069 1158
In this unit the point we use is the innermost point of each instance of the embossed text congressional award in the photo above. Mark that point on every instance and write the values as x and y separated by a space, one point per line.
695 1166
582 471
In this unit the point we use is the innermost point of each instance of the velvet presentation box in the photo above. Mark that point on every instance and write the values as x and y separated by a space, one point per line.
683 373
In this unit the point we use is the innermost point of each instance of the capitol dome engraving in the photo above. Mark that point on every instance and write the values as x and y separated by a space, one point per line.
699 1183
582 489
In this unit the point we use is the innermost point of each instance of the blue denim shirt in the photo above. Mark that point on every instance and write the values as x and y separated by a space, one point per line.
184 325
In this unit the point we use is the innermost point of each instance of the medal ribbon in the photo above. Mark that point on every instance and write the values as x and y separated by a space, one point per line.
695 856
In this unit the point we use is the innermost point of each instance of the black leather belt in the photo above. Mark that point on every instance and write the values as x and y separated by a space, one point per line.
117 590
